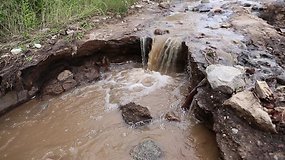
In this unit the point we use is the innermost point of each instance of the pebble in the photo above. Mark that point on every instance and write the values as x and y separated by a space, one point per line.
234 130
37 45
16 51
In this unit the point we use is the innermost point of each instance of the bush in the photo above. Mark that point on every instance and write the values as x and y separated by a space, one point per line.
21 16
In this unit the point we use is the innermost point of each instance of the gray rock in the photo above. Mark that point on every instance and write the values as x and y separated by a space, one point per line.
281 78
226 79
164 5
248 106
205 1
65 75
202 8
134 114
147 150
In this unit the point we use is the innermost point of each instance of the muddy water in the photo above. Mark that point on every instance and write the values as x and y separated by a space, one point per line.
86 123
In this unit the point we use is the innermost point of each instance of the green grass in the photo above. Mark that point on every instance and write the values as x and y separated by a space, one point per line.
20 17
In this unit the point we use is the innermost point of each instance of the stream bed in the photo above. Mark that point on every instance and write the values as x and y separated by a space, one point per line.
85 123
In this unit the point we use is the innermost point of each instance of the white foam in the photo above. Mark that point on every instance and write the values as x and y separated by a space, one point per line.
128 85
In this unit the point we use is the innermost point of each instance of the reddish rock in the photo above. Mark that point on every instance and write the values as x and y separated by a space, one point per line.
69 84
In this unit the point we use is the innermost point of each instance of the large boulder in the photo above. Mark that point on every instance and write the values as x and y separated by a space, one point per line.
248 106
226 79
147 150
134 114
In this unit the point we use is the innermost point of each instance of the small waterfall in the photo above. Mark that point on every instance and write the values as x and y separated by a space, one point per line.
166 55
143 41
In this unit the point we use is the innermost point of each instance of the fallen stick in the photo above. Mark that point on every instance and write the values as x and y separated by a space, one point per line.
190 97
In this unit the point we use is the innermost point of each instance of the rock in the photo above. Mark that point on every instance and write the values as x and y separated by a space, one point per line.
69 31
171 116
147 150
257 8
282 30
38 46
202 8
281 79
205 1
138 6
22 95
217 10
225 78
69 84
250 71
247 5
164 5
263 91
160 32
16 51
234 130
134 114
92 74
53 88
226 25
248 106
8 100
66 74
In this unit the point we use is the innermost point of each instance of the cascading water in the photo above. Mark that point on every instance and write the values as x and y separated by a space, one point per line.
166 55
143 43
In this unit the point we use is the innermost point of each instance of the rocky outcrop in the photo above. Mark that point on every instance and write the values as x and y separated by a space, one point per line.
237 137
146 150
136 115
248 106
226 79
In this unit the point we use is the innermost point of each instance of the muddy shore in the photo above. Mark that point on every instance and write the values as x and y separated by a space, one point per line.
218 32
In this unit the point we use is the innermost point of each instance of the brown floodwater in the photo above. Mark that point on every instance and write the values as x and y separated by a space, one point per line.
85 123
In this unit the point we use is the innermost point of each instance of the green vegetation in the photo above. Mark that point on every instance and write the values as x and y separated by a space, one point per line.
23 16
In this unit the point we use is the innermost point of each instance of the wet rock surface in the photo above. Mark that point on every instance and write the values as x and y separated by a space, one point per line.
146 150
136 115
171 116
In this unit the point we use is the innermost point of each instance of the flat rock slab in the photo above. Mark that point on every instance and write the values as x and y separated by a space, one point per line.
226 79
134 114
263 91
147 150
248 106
